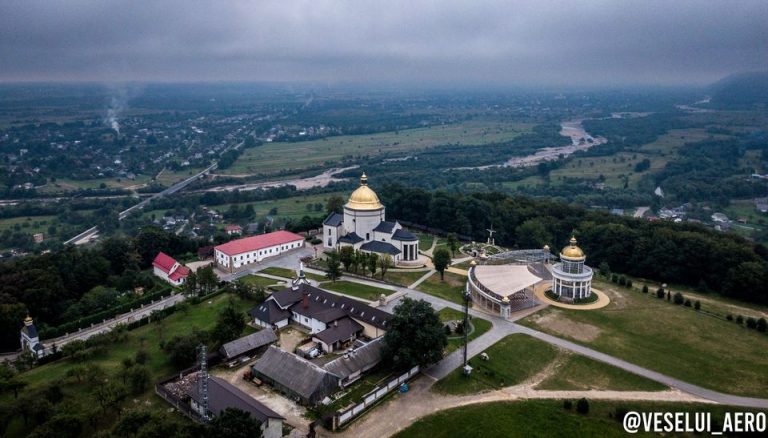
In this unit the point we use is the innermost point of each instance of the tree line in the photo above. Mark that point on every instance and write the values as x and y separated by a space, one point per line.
683 253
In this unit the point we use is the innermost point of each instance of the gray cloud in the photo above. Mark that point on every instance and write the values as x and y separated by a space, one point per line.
442 42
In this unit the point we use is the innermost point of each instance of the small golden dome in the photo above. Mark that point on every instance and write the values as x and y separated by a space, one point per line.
28 319
363 198
505 300
473 263
572 251
546 248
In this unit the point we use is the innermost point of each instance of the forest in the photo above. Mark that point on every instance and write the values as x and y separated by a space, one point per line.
684 253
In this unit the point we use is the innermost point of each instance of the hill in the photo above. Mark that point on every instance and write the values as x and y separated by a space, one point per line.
741 90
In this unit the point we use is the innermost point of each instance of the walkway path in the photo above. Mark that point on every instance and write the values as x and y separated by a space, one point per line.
423 278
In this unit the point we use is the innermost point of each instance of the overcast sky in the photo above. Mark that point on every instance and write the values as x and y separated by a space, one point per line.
471 42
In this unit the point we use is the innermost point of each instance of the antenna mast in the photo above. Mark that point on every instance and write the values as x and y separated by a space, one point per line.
203 382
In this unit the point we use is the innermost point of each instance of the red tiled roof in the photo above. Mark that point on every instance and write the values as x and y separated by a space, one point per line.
164 262
233 228
258 242
181 272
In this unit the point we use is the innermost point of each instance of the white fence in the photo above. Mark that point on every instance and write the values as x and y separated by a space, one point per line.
369 399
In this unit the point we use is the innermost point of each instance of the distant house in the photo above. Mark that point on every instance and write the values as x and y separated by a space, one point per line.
223 395
205 252
334 321
167 268
235 254
295 377
248 344
233 230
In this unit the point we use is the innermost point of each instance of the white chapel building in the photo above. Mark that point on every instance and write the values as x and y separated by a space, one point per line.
364 227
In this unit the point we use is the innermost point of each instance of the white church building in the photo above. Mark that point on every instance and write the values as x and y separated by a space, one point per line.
363 226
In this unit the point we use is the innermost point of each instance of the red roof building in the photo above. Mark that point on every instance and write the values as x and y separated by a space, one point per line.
240 252
233 229
167 268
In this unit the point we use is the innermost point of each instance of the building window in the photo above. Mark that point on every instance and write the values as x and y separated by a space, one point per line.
367 236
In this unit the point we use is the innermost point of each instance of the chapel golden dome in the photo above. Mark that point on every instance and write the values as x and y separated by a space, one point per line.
572 251
363 198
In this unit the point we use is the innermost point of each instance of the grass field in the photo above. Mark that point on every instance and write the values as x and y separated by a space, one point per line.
170 177
364 291
451 288
456 341
271 157
258 280
403 278
582 373
670 339
287 208
290 273
27 224
425 241
545 418
79 396
69 185
511 361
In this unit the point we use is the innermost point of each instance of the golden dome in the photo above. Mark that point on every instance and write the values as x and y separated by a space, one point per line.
28 318
572 251
363 198
473 263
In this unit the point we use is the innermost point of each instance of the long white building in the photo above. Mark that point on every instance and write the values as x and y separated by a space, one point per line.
236 254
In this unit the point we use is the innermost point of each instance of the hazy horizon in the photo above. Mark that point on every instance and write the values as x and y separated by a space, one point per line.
483 44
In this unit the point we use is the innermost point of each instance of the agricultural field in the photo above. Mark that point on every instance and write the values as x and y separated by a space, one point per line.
27 224
271 157
69 185
671 339
288 208
170 177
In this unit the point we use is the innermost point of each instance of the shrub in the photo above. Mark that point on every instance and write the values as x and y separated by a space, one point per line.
687 303
660 293
739 320
629 283
582 406
679 299
614 278
751 323
567 405
697 305
622 281
762 325
447 330
729 317
645 288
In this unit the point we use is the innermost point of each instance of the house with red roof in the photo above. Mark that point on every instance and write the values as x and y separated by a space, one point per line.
233 230
236 254
167 268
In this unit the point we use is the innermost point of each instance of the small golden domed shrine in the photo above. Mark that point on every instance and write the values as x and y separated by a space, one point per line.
572 251
363 198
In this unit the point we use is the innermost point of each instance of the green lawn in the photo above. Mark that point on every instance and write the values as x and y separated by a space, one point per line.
511 361
545 418
582 373
364 291
670 339
294 207
451 288
457 341
290 273
258 280
171 177
425 241
403 278
270 157
79 395
27 224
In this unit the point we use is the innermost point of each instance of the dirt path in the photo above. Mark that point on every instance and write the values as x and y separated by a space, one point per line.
404 409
